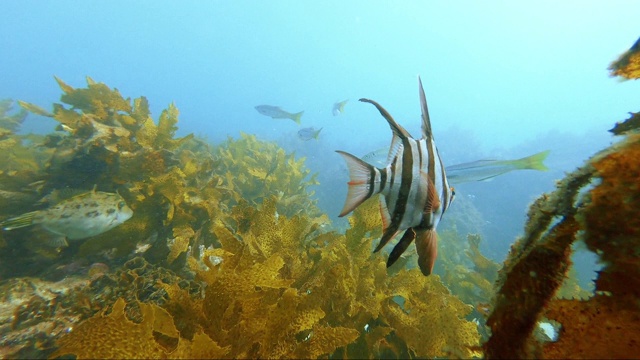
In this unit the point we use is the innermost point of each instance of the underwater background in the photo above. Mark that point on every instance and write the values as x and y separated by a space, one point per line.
235 248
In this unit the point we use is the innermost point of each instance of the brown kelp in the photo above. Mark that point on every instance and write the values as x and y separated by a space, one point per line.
270 294
598 204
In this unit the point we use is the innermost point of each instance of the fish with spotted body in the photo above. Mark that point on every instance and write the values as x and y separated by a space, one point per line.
76 218
414 187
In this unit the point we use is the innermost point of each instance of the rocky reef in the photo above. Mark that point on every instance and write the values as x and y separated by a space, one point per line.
597 204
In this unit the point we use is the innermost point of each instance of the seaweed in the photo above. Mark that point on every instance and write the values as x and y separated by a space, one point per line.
284 288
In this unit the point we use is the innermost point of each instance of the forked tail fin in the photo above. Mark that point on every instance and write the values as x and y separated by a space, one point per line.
296 117
361 186
534 162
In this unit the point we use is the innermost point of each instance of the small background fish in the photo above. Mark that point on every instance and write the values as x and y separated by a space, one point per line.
79 217
479 170
483 170
309 133
338 108
275 112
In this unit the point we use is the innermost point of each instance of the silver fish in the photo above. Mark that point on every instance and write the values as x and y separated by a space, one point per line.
338 107
309 133
275 112
414 187
79 217
482 170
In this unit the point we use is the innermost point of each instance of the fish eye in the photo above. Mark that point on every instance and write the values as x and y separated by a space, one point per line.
121 204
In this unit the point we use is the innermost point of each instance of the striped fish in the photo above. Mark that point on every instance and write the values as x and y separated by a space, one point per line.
414 187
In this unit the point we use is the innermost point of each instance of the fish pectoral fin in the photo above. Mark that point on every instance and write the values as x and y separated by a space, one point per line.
427 249
58 241
433 200
359 182
401 246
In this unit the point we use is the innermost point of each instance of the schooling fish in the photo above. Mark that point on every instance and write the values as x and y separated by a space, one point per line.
482 170
79 217
414 187
479 170
275 112
338 108
309 133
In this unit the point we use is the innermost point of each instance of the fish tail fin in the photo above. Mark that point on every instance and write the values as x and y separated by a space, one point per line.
342 105
427 248
296 117
359 190
315 136
17 222
534 162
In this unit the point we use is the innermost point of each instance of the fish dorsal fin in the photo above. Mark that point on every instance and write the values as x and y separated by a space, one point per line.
433 200
396 147
395 127
426 121
384 213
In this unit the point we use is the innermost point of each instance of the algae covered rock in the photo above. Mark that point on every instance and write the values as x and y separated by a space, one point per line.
597 204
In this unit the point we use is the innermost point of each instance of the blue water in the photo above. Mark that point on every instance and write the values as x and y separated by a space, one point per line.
504 79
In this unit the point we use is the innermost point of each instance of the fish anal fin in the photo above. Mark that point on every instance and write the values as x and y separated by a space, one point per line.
359 182
401 246
387 235
427 249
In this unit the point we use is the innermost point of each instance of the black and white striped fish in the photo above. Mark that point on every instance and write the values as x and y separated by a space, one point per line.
414 187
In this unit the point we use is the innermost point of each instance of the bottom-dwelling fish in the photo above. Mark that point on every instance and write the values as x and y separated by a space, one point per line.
414 187
275 112
79 217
